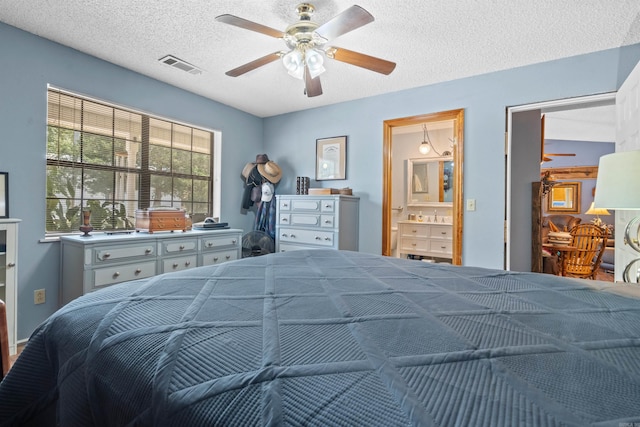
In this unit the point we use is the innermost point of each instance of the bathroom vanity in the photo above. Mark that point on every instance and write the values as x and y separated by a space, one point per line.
431 239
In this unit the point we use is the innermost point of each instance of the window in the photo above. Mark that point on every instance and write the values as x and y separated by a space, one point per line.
113 161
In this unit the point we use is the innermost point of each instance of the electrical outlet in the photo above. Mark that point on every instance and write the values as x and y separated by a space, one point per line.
39 296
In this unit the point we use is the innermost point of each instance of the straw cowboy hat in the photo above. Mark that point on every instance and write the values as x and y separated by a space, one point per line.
270 171
260 159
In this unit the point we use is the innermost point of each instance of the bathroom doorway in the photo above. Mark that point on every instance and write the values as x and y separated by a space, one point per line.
422 127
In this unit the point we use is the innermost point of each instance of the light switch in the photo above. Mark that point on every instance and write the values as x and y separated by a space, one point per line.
471 204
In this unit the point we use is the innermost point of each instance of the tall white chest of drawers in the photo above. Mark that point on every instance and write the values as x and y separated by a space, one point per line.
99 260
307 222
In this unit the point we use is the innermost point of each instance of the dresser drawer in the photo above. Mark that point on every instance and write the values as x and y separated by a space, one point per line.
441 232
312 237
414 230
306 205
117 253
305 220
177 264
122 273
327 205
441 246
172 247
413 245
218 257
288 247
215 242
284 204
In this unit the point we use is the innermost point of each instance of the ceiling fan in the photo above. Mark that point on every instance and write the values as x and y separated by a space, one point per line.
546 157
306 42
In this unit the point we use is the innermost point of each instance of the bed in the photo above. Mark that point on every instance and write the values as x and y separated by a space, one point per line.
325 337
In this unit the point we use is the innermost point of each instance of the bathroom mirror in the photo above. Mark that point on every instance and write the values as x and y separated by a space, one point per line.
430 181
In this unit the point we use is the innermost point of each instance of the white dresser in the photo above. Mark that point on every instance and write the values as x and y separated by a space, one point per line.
90 263
425 239
307 222
9 275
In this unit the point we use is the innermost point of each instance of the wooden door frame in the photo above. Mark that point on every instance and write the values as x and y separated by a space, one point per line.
458 119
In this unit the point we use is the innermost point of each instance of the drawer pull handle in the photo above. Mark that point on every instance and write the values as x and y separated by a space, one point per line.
234 241
175 264
414 231
327 206
443 247
11 264
116 274
285 205
181 247
147 251
413 244
285 235
318 238
326 221
215 258
188 263
138 271
443 232
327 238
285 220
106 255
209 244
293 236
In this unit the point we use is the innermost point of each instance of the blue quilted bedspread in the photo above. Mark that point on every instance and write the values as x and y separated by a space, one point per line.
331 338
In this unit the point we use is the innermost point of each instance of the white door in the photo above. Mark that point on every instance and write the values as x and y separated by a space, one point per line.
627 139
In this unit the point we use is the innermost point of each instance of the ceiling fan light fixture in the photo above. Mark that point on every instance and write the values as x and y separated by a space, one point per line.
314 61
294 63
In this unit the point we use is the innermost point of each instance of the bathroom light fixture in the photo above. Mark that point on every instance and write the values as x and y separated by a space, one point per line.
426 146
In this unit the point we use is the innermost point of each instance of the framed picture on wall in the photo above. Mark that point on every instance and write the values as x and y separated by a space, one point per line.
331 158
4 195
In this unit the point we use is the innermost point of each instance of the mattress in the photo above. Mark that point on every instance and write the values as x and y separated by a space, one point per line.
333 338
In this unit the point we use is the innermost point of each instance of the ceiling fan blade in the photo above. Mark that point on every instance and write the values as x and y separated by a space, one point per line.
249 66
349 20
250 25
560 154
312 87
361 60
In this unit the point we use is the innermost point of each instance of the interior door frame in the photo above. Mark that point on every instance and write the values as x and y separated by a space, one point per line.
558 104
458 118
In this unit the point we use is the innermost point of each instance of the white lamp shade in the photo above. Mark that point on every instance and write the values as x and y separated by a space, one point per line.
618 184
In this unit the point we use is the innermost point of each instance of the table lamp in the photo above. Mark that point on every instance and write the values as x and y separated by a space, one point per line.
597 212
618 188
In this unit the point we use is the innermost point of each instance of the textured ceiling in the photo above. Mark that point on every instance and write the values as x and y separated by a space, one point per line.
430 40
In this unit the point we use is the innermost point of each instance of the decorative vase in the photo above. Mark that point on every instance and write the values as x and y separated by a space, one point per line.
86 223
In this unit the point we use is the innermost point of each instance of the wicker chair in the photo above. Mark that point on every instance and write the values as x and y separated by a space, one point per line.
589 242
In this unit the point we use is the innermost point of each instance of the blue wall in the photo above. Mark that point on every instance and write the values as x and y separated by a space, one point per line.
29 63
484 98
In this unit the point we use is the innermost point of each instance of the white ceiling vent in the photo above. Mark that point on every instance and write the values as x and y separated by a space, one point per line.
180 64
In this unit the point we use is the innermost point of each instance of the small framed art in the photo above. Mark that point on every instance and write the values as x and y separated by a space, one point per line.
331 158
4 195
